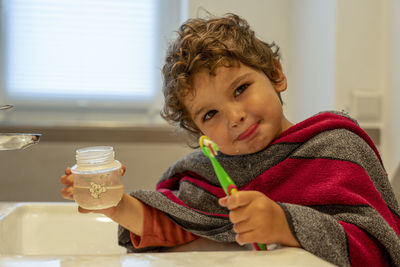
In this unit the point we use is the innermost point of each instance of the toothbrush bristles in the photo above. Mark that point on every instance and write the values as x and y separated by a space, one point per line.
213 152
205 141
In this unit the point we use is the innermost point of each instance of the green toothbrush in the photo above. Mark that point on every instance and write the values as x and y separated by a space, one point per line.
210 150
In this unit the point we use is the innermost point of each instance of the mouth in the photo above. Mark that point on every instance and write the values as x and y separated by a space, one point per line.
246 134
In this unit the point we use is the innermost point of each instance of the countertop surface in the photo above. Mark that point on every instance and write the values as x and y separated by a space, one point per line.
279 257
282 256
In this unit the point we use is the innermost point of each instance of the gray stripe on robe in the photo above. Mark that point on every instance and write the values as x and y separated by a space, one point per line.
239 168
368 219
310 226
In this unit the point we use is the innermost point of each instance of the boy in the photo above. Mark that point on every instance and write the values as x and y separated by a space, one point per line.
319 184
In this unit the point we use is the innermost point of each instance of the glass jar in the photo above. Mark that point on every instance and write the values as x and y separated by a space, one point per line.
97 178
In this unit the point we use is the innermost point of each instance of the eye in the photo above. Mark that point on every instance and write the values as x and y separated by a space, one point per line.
241 89
209 115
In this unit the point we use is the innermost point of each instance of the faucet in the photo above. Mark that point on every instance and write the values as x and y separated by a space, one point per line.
13 141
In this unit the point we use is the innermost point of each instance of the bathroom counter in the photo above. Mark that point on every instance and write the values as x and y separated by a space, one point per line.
279 257
55 234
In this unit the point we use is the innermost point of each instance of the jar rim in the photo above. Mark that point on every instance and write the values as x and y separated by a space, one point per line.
95 156
95 149
79 169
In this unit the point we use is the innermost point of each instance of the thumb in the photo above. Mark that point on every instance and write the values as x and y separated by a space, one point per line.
223 201
123 170
82 210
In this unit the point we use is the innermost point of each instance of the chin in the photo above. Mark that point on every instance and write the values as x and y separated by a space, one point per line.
249 150
258 145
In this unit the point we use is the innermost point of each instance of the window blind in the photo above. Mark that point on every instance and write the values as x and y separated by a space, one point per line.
80 49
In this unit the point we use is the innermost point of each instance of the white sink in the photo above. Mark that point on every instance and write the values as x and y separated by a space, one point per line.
56 234
56 229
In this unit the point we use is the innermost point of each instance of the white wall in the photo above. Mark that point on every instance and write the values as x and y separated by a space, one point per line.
311 66
368 60
359 49
391 128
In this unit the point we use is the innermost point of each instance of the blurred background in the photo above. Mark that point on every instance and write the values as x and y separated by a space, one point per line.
87 72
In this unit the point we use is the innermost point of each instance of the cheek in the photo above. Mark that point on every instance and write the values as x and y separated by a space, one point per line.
217 134
269 104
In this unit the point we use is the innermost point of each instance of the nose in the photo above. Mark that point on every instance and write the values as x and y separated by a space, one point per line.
235 115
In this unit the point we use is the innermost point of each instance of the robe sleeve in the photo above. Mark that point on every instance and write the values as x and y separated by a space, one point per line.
326 236
160 231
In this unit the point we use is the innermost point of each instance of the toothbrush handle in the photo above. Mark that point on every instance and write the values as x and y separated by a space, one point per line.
258 246
223 178
232 189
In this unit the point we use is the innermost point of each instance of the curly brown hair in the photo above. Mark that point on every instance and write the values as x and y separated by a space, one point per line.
208 44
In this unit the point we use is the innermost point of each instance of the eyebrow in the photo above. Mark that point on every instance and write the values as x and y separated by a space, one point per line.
232 85
238 80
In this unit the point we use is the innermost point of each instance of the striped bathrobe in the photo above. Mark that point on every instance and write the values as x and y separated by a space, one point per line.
326 174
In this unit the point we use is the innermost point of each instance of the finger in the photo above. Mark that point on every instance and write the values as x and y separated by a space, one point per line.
246 238
238 215
67 179
64 194
70 190
101 211
82 210
223 201
240 199
242 227
68 171
67 193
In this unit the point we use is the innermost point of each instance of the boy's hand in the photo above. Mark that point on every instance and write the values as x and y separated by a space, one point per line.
257 218
128 212
109 212
68 191
68 180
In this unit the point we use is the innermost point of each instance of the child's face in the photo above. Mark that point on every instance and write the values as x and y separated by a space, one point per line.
238 108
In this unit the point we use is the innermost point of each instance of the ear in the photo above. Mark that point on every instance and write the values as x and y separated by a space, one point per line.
281 85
